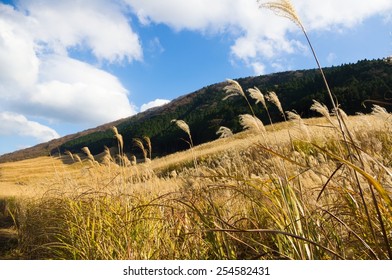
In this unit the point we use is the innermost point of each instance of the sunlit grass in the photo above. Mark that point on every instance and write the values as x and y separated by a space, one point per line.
241 202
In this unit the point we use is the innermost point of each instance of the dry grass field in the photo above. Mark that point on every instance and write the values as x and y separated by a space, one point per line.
300 189
289 192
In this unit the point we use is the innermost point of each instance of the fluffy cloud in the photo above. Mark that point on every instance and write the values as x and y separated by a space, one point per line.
37 76
19 64
73 91
191 14
152 104
335 14
16 124
259 35
40 80
99 25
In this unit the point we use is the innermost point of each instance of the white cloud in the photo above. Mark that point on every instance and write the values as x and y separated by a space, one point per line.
339 14
18 61
98 25
16 124
258 34
73 91
258 68
191 14
152 104
37 78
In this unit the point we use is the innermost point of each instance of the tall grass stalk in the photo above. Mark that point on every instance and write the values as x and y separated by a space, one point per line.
234 89
138 143
286 9
185 127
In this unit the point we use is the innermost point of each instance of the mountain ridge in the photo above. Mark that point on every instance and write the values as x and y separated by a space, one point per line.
205 112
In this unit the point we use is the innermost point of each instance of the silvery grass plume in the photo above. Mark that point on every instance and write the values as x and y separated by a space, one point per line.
295 118
184 127
381 112
273 98
149 146
70 155
251 122
119 138
107 158
224 132
86 150
138 143
233 89
321 109
256 94
283 8
77 158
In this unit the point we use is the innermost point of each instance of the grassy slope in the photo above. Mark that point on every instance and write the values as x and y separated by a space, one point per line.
27 177
204 112
237 191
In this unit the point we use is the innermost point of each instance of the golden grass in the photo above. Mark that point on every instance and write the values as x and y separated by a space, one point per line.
250 197
303 189
17 178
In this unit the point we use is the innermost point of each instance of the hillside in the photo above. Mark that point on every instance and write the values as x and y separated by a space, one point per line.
205 111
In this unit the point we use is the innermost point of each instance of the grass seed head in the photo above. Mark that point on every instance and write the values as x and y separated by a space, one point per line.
118 137
321 109
273 98
283 8
138 143
183 126
233 89
224 132
295 118
380 112
256 94
250 122
71 155
77 157
86 150
148 143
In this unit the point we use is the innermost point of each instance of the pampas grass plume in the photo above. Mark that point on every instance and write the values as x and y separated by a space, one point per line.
86 150
283 8
148 143
71 155
119 138
321 109
233 89
380 112
273 98
138 143
256 94
224 132
251 122
182 125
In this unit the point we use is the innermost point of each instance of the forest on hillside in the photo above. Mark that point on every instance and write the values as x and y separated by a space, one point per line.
356 86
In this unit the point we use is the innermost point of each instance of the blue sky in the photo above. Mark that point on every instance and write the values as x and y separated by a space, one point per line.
69 65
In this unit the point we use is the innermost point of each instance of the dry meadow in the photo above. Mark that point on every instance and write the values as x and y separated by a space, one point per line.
288 191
